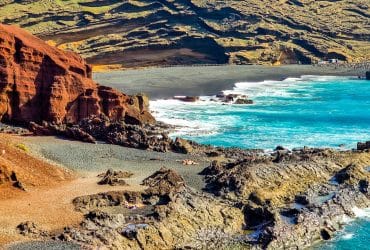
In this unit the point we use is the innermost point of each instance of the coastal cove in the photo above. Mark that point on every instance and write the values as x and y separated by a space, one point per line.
289 101
207 156
316 111
164 83
106 173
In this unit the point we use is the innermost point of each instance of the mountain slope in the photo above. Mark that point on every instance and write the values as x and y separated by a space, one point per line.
160 32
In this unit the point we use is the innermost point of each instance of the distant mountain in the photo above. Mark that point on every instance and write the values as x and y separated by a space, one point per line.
162 32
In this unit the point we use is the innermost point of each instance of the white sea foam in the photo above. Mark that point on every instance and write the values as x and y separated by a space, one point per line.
346 219
348 236
266 88
193 120
361 213
322 78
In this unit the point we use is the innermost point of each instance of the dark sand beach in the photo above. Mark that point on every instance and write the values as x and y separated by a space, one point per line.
161 83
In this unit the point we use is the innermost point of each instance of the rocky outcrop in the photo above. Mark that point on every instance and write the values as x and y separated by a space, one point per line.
367 75
8 177
164 181
5 174
187 98
30 229
296 197
114 178
167 215
41 83
363 145
300 228
232 98
259 203
183 146
149 137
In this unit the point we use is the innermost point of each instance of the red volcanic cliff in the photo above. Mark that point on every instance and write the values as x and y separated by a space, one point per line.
42 83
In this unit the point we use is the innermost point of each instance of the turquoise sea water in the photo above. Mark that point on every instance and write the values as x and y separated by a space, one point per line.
309 111
356 235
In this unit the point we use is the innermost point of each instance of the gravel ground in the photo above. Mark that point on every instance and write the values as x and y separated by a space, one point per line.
48 245
88 158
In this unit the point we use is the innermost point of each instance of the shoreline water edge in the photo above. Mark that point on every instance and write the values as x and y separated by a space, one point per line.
297 112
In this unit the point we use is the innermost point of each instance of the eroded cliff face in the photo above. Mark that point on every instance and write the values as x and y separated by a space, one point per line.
42 83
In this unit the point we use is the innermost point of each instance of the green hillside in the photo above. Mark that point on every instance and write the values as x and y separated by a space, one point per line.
161 32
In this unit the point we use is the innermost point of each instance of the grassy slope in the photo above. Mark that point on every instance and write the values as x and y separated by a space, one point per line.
142 32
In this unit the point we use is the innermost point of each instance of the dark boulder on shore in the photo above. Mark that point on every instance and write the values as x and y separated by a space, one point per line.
243 101
367 75
363 145
187 98
114 178
164 182
101 128
182 146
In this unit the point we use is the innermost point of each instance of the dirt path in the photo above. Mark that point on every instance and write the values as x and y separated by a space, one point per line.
50 189
50 208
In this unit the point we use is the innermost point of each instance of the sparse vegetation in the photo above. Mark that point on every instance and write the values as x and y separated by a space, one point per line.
246 31
22 146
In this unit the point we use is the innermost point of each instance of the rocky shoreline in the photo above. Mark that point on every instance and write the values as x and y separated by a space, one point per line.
252 199
284 199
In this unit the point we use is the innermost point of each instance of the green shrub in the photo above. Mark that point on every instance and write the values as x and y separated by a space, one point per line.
21 146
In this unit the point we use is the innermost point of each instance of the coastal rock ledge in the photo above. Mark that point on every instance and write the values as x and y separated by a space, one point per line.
41 83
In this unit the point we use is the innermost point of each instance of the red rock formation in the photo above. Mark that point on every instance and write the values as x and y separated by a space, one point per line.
39 82
5 175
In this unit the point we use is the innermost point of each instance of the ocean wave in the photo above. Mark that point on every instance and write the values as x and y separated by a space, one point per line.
210 116
346 219
361 212
347 236
266 88
324 78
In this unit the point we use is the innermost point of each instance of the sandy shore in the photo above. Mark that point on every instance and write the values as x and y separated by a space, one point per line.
161 83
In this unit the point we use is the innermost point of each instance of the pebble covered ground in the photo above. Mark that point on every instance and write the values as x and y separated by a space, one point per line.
87 158
48 245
